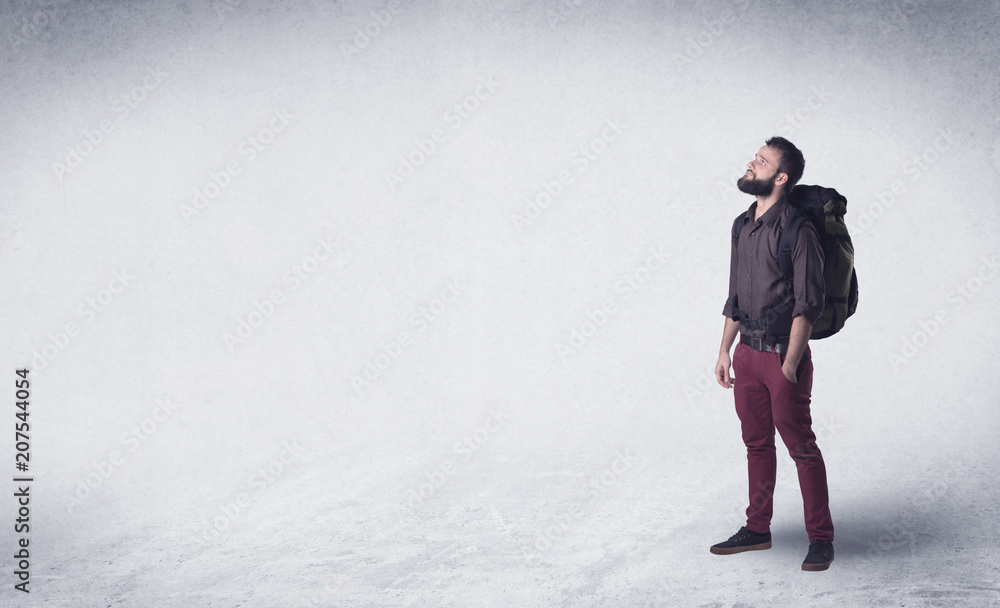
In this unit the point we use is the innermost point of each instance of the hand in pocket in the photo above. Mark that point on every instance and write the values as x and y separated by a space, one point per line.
789 372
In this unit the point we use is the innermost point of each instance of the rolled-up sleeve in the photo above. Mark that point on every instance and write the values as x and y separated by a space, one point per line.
727 310
808 282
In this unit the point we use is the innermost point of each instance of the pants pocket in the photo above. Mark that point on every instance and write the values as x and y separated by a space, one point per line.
798 371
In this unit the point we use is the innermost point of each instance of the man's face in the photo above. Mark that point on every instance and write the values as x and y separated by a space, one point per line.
762 171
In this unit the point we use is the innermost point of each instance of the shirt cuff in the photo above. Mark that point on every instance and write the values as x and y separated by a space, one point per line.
811 314
727 310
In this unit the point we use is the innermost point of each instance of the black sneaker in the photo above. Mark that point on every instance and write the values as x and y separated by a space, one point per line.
744 540
819 557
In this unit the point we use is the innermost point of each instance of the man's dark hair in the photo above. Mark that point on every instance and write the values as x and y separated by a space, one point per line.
792 162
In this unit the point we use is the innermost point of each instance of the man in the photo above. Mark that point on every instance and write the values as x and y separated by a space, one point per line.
772 365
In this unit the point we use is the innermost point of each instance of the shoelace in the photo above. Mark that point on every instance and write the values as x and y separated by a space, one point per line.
818 549
742 534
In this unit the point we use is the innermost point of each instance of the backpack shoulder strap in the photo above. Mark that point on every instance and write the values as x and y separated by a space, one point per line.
787 242
807 206
738 225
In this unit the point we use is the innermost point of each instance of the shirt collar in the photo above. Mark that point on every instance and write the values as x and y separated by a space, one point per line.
772 214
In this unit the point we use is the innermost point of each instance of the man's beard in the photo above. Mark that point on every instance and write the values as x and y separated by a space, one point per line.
756 187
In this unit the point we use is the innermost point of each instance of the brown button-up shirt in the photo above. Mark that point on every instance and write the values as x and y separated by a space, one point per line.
755 278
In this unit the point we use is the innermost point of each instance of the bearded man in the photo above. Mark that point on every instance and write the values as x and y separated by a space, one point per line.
772 378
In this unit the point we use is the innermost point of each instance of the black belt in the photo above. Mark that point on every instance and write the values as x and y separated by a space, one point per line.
764 346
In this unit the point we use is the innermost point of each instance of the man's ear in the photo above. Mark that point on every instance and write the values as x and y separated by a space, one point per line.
780 179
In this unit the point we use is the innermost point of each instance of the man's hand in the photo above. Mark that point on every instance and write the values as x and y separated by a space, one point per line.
722 371
789 370
797 342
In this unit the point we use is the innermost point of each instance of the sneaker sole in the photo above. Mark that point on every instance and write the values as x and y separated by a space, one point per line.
732 550
816 567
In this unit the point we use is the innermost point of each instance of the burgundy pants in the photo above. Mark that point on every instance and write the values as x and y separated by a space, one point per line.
765 401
